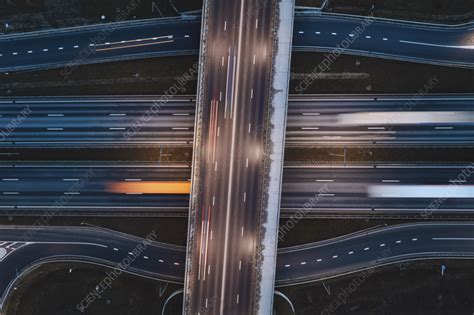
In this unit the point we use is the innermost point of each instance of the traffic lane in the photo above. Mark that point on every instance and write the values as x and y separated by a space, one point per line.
376 103
43 185
95 106
375 174
185 139
174 204
244 229
381 119
424 44
27 186
354 195
297 264
392 30
160 264
251 132
136 105
215 139
103 245
108 136
328 201
332 141
228 277
153 260
88 202
206 270
258 72
439 135
381 188
317 261
96 120
59 121
164 37
65 175
445 45
388 120
313 109
224 81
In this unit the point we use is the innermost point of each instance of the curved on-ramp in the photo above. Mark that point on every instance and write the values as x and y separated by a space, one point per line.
29 247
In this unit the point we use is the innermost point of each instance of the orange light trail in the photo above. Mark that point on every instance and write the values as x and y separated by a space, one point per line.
151 187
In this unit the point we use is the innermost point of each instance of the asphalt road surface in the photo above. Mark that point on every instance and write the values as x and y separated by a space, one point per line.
62 188
372 248
450 45
312 120
86 189
98 121
228 168
24 248
426 189
118 41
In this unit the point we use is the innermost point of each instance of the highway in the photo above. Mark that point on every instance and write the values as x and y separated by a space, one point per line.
82 45
88 189
23 249
386 188
449 45
98 121
228 163
371 248
326 120
380 120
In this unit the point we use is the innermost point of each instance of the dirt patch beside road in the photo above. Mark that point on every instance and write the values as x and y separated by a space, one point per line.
34 15
436 11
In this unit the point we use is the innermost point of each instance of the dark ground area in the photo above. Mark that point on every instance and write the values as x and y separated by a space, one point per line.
436 11
408 289
310 231
379 155
165 154
113 78
59 289
308 155
359 75
32 15
168 230
349 74
309 3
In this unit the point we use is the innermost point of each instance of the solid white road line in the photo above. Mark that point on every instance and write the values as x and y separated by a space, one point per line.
453 239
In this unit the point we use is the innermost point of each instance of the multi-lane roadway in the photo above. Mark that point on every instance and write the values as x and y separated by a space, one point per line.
24 248
114 189
231 115
438 44
92 44
383 188
80 188
312 120
228 164
450 45
375 247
